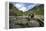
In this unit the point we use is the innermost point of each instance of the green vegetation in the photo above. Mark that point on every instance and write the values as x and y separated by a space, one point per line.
38 10
17 20
13 11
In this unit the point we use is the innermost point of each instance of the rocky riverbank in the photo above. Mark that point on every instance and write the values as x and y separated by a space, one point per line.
25 21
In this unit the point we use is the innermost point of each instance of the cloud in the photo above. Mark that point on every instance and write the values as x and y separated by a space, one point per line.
18 5
23 9
24 6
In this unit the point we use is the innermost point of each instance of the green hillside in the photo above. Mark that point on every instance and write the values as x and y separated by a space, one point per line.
38 10
13 11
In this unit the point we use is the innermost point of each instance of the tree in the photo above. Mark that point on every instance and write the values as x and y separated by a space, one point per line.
10 5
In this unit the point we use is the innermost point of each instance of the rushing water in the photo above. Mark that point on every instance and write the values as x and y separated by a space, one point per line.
24 21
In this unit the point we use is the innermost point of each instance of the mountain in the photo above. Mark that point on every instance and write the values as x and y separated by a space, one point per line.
38 10
13 11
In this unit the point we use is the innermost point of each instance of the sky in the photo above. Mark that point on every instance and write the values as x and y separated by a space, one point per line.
24 6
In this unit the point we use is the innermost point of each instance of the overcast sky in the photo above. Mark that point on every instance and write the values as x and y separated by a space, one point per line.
24 6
